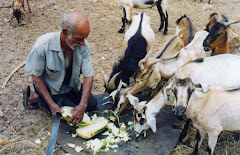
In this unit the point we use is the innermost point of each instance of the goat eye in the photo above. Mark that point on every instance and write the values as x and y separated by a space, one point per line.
139 115
175 92
142 121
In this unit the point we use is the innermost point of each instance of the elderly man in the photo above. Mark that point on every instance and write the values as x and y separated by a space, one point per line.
56 61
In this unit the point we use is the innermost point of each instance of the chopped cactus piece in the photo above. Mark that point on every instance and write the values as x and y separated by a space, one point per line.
78 148
95 144
71 145
67 115
113 129
97 126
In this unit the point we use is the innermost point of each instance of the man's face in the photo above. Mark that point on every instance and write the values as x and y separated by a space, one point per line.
74 41
78 39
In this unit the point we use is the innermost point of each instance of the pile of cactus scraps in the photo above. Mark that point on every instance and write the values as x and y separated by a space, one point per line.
91 126
114 135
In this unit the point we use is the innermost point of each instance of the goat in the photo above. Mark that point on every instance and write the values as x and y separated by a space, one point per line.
211 111
208 1
171 47
18 9
213 18
128 5
185 29
145 113
150 75
167 67
214 71
185 33
140 38
221 39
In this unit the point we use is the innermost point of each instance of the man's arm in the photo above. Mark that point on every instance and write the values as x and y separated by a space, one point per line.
42 88
79 110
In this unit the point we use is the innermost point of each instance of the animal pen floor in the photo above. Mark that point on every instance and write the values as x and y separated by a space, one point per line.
23 127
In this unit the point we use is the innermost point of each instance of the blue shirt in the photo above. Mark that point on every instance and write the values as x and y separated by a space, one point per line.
46 59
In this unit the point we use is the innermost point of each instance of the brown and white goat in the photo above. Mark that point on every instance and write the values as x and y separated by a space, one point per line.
167 67
128 5
211 112
18 9
185 29
221 38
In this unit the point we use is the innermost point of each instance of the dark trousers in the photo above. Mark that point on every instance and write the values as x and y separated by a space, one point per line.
72 98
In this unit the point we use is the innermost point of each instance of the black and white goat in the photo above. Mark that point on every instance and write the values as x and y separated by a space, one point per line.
139 39
128 5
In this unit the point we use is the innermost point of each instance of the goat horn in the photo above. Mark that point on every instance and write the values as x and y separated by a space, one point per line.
121 83
111 84
219 18
148 53
105 78
229 23
153 61
140 64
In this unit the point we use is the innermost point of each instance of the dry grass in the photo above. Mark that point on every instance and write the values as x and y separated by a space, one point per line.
106 44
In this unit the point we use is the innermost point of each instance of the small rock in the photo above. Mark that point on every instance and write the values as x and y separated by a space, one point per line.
38 141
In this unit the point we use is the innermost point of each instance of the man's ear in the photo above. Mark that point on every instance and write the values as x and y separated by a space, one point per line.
65 31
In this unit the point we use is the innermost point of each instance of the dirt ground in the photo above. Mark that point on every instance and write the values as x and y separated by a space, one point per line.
20 127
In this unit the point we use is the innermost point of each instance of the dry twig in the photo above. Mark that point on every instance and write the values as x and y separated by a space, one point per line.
12 72
6 6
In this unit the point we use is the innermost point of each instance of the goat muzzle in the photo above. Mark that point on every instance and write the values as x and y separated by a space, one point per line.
180 111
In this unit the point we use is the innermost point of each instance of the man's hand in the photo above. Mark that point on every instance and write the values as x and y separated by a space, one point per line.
55 109
77 114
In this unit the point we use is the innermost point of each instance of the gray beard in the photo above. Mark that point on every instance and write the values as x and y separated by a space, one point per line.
66 62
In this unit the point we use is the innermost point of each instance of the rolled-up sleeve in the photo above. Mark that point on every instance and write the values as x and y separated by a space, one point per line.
87 69
36 62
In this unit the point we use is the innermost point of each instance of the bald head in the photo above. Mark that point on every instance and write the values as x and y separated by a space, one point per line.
75 21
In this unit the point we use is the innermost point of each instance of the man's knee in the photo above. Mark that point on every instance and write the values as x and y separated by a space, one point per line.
92 103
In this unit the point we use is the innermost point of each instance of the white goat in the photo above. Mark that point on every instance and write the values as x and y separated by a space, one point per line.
214 71
211 112
128 5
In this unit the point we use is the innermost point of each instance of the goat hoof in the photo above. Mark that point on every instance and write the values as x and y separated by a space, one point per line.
164 33
121 31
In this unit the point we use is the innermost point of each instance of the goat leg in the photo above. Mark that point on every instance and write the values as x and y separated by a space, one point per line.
111 6
198 137
123 21
23 12
184 131
11 16
23 5
28 6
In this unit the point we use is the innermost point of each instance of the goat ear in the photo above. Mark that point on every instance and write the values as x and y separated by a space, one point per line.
178 72
233 40
187 75
133 100
204 87
155 77
151 121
